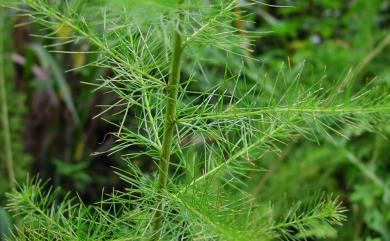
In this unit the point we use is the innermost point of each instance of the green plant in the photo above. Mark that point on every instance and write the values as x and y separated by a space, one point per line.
205 138
339 39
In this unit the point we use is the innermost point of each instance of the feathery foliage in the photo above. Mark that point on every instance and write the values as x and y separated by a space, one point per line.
206 131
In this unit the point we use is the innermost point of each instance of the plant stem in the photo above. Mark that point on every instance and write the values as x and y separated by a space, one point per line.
169 122
4 113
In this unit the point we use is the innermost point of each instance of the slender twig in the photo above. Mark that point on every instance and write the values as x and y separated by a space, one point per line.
4 114
209 23
370 174
237 155
271 110
364 62
169 120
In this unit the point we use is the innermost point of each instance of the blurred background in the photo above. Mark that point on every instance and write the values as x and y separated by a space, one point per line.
59 132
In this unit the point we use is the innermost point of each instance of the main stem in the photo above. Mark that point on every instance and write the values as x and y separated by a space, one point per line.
169 122
170 114
4 113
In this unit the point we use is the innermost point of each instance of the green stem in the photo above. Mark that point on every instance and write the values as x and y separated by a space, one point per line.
169 123
274 110
4 113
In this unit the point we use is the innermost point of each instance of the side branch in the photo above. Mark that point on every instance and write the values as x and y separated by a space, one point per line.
45 10
320 110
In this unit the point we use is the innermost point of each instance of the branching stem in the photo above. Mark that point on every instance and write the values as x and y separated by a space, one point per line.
169 120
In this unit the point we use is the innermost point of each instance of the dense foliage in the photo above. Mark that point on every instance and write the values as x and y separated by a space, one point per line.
224 120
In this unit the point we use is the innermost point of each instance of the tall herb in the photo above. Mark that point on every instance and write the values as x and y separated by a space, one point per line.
217 117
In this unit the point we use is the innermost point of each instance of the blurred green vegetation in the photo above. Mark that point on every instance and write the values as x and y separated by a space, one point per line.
54 131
